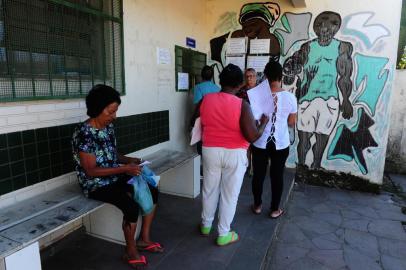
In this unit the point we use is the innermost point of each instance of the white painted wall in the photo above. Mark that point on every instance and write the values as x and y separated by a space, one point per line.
396 152
18 116
151 87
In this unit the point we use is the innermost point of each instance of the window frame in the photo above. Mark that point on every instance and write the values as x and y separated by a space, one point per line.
75 86
188 55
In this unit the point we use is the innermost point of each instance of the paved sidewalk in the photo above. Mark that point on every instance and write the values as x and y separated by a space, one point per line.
326 228
399 180
176 227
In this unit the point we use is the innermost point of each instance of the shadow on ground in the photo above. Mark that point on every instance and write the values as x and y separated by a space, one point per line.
176 227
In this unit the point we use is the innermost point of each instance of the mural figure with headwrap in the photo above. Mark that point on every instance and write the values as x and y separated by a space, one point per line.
256 19
326 67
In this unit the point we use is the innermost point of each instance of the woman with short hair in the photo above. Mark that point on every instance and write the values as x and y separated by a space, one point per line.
227 128
103 173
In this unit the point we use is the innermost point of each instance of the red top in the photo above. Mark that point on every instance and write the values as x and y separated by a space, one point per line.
220 117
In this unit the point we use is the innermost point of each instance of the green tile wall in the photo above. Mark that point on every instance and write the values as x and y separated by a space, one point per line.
32 156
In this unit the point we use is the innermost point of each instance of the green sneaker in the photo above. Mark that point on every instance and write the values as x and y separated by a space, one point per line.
205 231
227 239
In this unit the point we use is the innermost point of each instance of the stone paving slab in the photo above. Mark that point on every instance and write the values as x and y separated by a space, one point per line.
400 180
327 228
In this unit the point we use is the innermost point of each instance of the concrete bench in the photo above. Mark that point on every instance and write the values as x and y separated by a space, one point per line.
180 176
25 223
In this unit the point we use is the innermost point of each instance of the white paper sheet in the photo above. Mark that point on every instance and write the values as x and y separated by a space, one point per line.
196 133
259 46
183 81
261 100
145 162
257 62
163 56
236 60
236 46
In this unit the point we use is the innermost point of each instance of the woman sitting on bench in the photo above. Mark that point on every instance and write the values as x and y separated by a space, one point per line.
103 173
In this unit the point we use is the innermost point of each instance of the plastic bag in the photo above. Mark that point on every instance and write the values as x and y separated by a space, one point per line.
149 176
142 194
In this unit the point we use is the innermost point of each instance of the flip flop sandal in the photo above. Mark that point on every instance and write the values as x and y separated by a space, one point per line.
134 263
281 212
228 239
204 231
153 248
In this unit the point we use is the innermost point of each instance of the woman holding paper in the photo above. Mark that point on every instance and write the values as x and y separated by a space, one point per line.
281 106
103 173
227 128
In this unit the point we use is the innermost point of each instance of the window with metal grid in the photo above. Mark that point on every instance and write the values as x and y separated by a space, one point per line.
59 48
191 62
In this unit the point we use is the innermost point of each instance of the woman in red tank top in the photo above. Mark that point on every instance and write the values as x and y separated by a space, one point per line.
228 127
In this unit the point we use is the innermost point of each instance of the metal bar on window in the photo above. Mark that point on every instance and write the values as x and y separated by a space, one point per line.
122 51
79 71
113 55
8 51
49 57
58 30
30 51
104 51
64 52
87 10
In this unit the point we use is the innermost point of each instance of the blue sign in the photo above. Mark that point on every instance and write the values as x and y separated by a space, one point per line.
190 42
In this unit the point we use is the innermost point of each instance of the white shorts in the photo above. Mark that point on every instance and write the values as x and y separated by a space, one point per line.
318 116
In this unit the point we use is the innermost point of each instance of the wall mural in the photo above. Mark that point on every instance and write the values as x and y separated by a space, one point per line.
296 28
256 20
327 67
341 84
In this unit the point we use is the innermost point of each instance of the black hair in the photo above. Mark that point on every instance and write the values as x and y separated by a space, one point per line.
231 75
99 97
250 70
207 73
273 71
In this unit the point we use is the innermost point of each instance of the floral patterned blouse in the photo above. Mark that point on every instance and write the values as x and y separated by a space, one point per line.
101 143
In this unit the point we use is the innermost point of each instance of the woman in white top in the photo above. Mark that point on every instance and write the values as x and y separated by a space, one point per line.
274 143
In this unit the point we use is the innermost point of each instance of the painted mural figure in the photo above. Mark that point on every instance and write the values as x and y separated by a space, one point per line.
256 19
326 67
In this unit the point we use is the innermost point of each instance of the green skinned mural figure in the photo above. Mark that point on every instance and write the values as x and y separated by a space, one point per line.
326 67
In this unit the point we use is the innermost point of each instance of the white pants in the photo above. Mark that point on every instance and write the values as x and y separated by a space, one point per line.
223 173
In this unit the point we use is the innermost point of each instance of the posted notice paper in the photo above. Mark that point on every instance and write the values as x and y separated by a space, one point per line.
236 60
258 46
183 81
236 46
163 56
257 62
